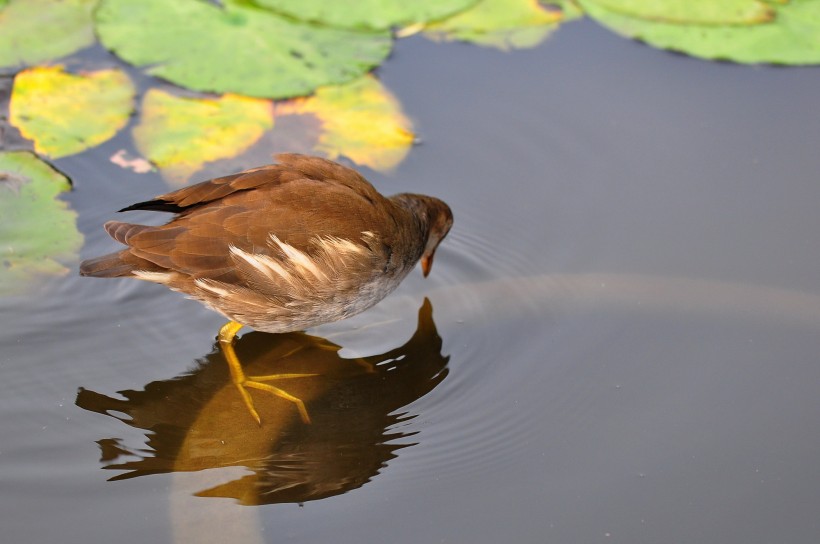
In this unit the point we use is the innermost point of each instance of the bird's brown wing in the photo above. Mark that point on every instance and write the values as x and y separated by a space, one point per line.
296 200
291 167
197 243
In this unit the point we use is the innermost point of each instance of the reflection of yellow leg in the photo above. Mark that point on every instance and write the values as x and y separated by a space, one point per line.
226 337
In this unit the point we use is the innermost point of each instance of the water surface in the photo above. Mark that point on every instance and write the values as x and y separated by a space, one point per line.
621 343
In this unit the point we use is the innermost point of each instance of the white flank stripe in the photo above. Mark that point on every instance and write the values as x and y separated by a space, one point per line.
210 285
299 259
277 268
252 260
158 277
346 246
264 264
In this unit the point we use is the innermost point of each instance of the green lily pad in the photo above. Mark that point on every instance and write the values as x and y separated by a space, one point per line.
702 12
237 48
33 31
370 14
503 24
792 37
360 120
180 135
64 113
39 235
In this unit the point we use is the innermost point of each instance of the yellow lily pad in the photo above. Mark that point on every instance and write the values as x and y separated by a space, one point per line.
503 24
64 113
39 235
180 134
361 120
33 31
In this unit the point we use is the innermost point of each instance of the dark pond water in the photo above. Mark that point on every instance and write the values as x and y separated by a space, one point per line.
621 343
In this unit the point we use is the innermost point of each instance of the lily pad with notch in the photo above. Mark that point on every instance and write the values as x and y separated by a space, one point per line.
39 235
237 48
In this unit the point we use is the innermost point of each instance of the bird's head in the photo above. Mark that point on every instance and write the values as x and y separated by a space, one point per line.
440 221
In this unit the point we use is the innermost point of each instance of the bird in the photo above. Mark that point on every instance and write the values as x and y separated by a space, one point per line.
279 248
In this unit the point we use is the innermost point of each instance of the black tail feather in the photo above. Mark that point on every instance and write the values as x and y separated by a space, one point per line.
154 205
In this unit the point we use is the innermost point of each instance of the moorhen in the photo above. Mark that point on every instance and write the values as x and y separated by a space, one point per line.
279 248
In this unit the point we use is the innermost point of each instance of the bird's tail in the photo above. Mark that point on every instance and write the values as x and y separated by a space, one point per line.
108 266
119 264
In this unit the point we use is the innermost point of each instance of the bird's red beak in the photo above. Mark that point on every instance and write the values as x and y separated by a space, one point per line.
426 264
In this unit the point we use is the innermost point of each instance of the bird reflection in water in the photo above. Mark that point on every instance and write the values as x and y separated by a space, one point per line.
196 421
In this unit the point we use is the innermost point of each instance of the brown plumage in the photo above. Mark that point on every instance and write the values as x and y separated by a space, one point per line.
282 247
279 248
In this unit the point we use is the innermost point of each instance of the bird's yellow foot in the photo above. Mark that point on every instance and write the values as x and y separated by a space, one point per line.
227 335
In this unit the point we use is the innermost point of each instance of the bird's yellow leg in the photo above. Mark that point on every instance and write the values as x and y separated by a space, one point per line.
227 334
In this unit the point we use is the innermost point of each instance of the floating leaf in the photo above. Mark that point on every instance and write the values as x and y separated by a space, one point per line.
371 14
360 120
65 113
704 12
33 31
180 135
238 48
39 234
505 24
792 37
